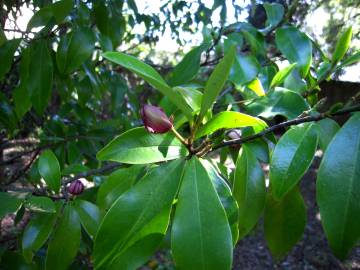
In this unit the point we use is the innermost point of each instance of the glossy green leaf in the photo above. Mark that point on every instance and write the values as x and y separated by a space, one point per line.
201 236
143 244
284 222
274 13
138 146
116 184
192 97
295 46
40 204
281 101
40 76
338 188
256 41
151 76
7 51
248 190
65 240
291 158
3 38
58 10
9 204
352 59
342 45
245 69
49 169
89 215
256 86
36 233
61 9
21 95
229 120
134 210
227 200
282 75
74 49
216 82
326 129
188 66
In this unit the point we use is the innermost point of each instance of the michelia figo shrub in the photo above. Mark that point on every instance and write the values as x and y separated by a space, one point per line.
111 179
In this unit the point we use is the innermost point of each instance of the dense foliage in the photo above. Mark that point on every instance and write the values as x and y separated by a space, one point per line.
106 177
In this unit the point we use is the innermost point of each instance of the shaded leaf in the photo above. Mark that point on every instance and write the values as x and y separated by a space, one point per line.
49 169
249 190
284 222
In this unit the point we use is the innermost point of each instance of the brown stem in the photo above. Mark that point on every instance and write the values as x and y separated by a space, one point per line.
286 124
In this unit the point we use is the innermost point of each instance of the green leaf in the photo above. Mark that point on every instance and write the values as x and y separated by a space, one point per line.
352 59
296 46
40 18
188 66
281 101
256 41
342 45
74 49
284 222
326 129
216 82
291 158
40 76
58 10
61 9
36 233
229 119
281 75
65 241
49 169
3 38
338 188
256 86
248 190
116 184
227 200
245 69
134 210
151 76
138 146
89 215
40 204
9 204
144 244
274 13
201 236
192 97
21 95
7 51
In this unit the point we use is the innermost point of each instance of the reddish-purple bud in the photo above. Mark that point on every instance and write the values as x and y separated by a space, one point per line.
155 120
76 187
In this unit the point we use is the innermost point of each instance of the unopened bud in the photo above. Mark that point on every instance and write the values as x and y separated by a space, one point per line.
76 187
155 120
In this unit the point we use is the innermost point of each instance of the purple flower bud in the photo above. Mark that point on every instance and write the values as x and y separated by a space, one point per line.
76 187
155 120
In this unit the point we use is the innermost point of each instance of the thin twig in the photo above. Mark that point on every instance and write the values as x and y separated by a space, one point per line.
285 124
